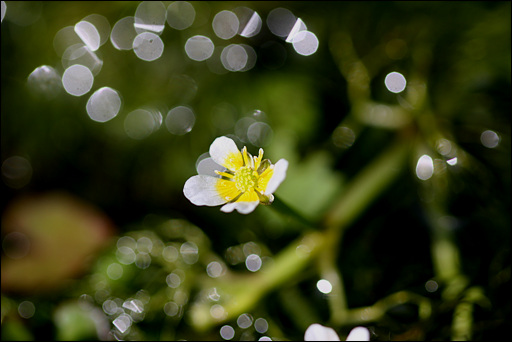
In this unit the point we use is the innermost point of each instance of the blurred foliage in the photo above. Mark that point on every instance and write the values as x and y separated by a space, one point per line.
410 259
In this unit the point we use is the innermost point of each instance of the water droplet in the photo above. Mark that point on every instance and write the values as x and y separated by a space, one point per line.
123 33
299 26
190 252
324 286
148 46
26 309
142 260
180 15
425 167
103 105
81 54
141 123
244 321
101 24
225 24
123 322
250 22
227 332
89 34
115 271
199 48
215 269
44 80
173 280
431 286
125 255
218 312
395 82
305 43
213 294
343 137
234 57
65 38
242 126
16 172
110 307
150 16
77 80
261 325
260 134
180 120
126 241
490 139
134 305
251 247
253 262
171 309
280 21
170 253
144 244
452 162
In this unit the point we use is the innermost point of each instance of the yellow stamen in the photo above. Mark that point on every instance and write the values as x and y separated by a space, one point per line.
246 179
257 160
264 178
225 174
247 158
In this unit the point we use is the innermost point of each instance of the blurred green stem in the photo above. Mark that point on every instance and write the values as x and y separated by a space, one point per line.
246 291
285 209
446 260
376 311
360 193
368 184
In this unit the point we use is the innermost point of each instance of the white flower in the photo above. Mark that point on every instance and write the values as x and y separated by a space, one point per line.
317 332
245 182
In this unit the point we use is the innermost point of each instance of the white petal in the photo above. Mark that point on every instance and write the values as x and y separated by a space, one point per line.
317 332
202 190
359 334
221 149
241 207
207 167
277 177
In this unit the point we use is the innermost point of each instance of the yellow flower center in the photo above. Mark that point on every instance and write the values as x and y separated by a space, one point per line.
245 178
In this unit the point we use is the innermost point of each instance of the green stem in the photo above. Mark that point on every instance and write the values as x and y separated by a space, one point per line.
285 209
246 291
376 311
330 272
359 195
368 184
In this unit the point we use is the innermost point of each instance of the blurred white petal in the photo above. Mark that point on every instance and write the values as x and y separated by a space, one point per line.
359 334
317 332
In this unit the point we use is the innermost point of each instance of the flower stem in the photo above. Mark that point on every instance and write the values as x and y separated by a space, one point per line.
367 185
362 191
283 208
